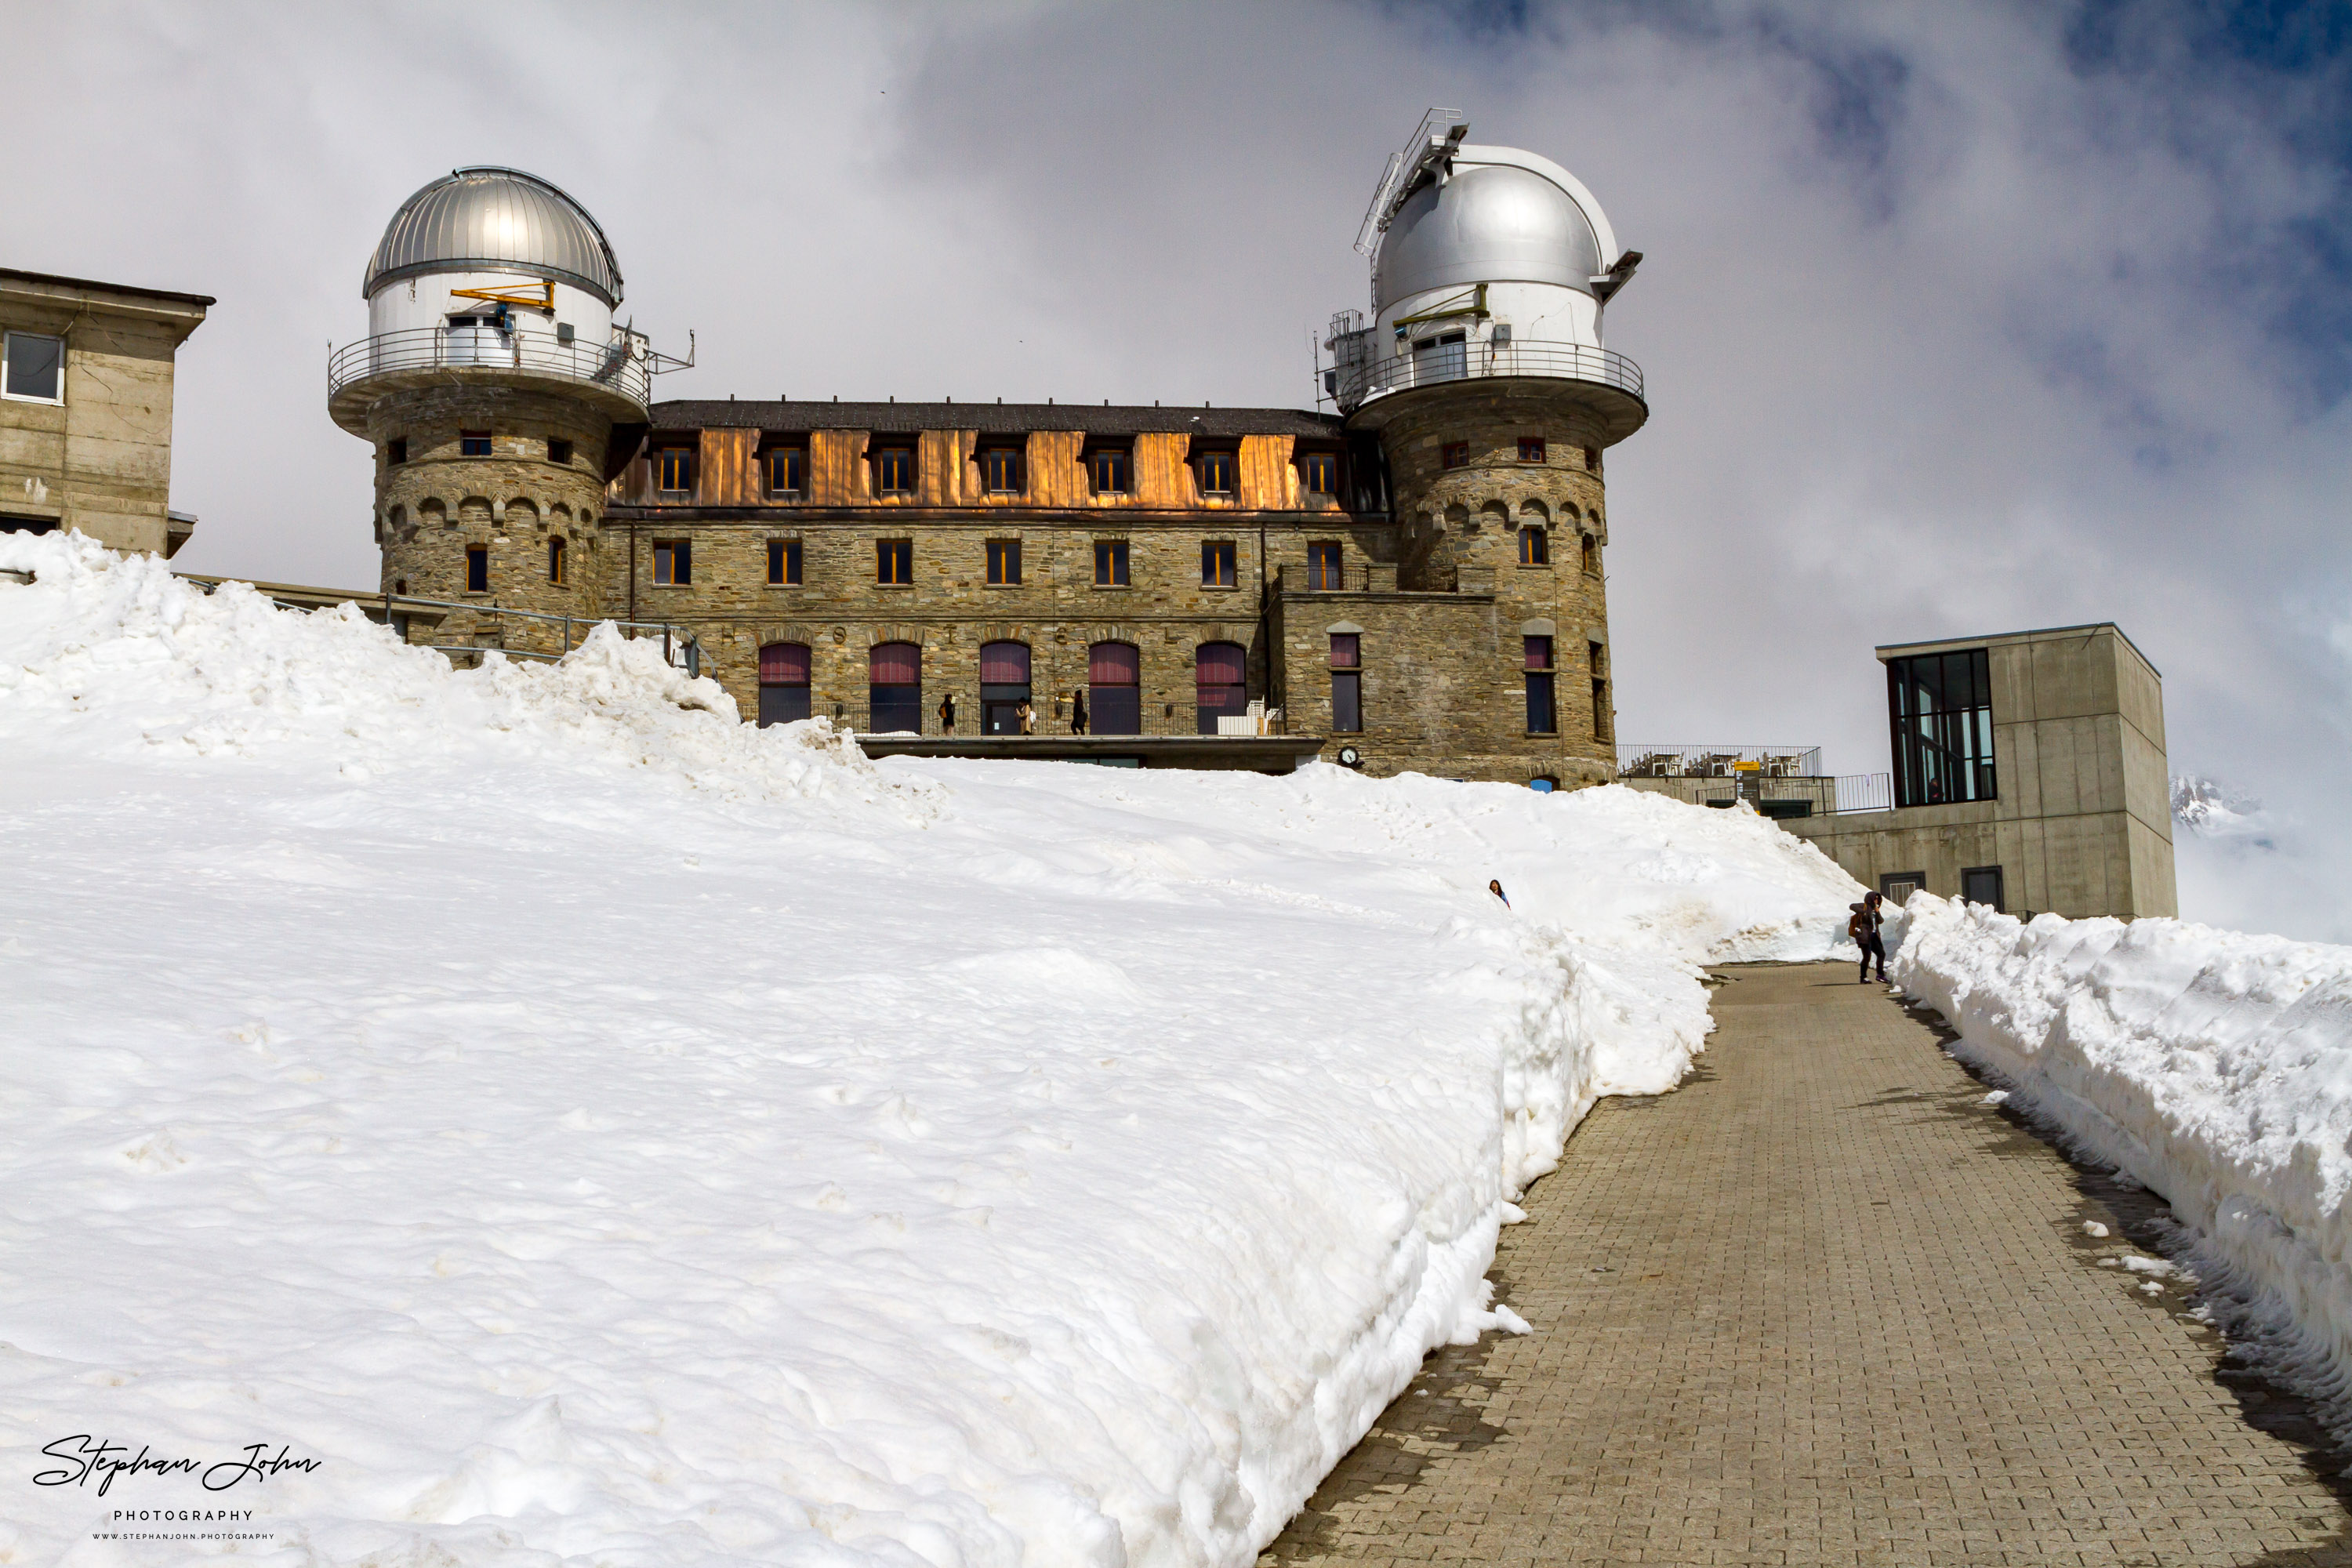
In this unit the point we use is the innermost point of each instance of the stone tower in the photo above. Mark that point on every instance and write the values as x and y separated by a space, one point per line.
500 396
1482 374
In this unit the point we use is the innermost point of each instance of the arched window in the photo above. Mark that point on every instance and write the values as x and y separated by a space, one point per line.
783 683
895 697
1114 689
1220 677
1003 687
1534 549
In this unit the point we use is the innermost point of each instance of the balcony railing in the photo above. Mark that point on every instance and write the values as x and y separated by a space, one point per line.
624 365
920 716
1353 386
1792 796
1658 760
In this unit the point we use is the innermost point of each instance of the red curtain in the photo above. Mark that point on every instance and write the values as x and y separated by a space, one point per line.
1114 664
1004 664
898 664
1538 653
784 664
1344 655
1221 664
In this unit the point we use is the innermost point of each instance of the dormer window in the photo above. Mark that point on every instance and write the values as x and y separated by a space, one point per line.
1318 473
1217 471
893 471
1000 470
787 472
1112 472
674 470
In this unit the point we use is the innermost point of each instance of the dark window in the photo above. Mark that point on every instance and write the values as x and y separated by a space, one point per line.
559 450
1535 550
1543 714
1454 453
1114 689
395 451
1110 563
673 564
1220 683
787 472
1003 563
783 683
1003 687
895 693
1596 659
555 562
1940 709
784 562
477 568
1111 472
1531 449
474 444
673 469
1346 683
1323 567
1217 473
1319 473
1217 564
1896 887
1442 357
893 562
1981 884
1000 470
893 471
1539 652
1592 554
1593 460
36 366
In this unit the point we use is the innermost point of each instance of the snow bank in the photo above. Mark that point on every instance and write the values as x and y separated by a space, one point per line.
2211 1066
597 1130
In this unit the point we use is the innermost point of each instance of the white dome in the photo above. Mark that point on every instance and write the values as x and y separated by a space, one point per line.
1504 216
483 218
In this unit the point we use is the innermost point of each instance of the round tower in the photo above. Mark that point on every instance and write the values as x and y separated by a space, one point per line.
500 396
1484 374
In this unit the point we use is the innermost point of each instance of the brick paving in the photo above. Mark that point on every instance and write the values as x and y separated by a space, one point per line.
1824 1305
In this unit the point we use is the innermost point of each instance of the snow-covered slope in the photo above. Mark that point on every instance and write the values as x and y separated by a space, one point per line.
2213 1066
595 1130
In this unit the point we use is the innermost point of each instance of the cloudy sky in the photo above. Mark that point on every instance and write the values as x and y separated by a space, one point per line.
1957 318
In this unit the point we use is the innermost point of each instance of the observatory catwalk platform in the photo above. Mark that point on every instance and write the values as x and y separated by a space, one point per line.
1823 1304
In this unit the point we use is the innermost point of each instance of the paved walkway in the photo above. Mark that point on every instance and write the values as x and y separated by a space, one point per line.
1824 1305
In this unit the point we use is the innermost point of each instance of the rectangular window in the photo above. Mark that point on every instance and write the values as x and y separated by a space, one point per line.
893 471
1217 473
1531 449
1940 710
1323 568
894 562
1318 473
1346 683
673 564
1592 554
1981 884
784 562
1111 472
1593 460
1217 564
395 451
1535 550
1542 716
35 368
1347 651
555 562
1000 470
1003 563
1539 652
474 443
558 451
787 472
1110 563
673 469
1454 455
477 568
1600 710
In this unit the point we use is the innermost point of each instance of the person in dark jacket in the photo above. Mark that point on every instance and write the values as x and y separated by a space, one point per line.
1863 929
947 714
1077 712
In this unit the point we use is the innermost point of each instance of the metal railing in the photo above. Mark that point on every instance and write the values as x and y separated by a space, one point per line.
1794 795
1052 721
1353 386
624 364
1661 761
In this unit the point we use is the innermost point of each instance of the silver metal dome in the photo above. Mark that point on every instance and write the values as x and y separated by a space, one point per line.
1494 223
483 218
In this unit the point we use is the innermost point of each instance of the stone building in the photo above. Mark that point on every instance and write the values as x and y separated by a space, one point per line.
86 372
1411 580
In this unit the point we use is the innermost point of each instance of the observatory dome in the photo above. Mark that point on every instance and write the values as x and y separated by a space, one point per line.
490 219
1519 221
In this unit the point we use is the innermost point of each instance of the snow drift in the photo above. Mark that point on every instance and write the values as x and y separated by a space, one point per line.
2211 1066
593 1129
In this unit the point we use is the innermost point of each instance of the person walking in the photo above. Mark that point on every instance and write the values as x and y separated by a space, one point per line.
947 714
1863 929
1028 717
1077 711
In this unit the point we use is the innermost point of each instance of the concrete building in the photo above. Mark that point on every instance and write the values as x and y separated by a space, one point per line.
1412 580
86 372
2029 774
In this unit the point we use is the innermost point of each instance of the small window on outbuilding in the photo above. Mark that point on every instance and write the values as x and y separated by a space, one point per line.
673 564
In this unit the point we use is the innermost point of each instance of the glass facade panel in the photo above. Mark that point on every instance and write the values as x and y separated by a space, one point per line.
1940 709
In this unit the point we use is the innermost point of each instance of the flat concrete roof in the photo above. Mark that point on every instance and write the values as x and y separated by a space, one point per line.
55 281
1950 645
